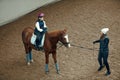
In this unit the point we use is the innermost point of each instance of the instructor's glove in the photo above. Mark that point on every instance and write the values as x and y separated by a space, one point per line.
94 42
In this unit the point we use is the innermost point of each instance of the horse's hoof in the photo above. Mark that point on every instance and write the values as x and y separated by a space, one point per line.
46 72
32 61
28 63
58 72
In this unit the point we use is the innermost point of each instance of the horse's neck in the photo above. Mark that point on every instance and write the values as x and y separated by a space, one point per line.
53 37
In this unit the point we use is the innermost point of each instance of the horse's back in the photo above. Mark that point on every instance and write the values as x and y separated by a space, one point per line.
26 34
28 29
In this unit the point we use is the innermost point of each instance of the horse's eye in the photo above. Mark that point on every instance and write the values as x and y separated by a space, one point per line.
64 38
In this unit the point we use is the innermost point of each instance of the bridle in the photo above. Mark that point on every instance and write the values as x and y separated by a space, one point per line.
61 44
65 43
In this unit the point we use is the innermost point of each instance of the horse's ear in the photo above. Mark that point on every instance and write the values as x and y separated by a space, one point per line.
65 30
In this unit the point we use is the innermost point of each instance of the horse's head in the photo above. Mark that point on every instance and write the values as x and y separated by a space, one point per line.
64 38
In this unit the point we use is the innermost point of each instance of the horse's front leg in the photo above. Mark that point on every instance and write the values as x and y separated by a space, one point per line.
55 61
47 62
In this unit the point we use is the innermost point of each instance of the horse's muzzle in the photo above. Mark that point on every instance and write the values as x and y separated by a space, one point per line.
67 44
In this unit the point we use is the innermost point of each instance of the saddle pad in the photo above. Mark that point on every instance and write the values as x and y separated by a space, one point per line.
33 39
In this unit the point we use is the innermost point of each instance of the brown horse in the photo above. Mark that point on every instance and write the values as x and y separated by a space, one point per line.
50 45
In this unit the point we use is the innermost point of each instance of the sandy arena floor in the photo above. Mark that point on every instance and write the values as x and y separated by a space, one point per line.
83 20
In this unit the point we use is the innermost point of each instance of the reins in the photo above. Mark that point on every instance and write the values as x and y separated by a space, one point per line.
74 45
79 46
60 45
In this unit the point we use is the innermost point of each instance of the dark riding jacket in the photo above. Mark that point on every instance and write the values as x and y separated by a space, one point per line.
41 26
103 44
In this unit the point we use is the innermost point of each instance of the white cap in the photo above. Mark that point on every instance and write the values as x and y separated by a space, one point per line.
104 30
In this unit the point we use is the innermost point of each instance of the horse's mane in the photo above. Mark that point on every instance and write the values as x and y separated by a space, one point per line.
54 33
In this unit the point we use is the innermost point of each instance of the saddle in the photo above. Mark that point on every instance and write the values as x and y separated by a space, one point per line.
33 40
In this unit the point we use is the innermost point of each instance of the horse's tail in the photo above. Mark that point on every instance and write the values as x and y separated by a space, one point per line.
23 36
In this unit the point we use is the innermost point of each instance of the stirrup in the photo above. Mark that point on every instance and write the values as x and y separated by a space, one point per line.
36 46
40 48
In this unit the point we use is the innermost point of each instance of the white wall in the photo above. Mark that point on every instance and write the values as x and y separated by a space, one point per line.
13 9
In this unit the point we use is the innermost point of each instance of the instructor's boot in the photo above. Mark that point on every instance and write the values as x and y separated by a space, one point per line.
100 68
107 73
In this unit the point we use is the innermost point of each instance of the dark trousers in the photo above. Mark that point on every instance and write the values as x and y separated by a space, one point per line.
103 55
39 38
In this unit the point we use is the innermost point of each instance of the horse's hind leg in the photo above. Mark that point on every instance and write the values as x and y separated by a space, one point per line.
30 54
27 54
